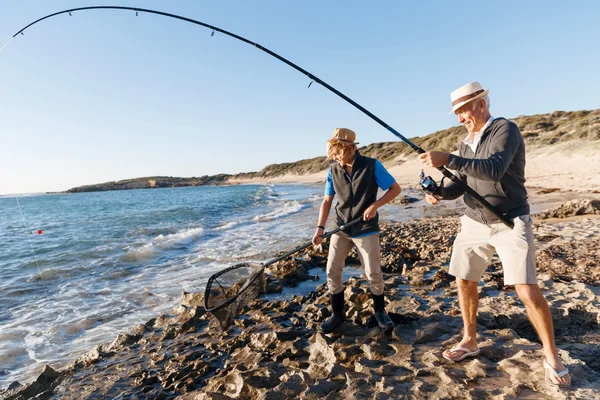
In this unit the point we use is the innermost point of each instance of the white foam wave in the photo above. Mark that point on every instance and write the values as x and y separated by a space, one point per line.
288 208
227 225
162 243
315 197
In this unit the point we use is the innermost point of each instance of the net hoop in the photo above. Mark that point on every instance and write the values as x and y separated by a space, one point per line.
207 293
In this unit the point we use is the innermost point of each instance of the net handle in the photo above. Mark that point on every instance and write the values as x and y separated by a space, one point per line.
305 245
257 274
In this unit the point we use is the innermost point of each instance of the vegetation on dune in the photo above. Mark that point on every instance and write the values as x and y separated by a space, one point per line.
538 130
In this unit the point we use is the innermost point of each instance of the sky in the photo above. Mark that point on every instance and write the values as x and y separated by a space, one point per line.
104 95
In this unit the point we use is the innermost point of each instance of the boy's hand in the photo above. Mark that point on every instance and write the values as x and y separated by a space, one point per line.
317 239
370 213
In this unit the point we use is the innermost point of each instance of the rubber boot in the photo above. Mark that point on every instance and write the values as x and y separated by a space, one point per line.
338 316
383 319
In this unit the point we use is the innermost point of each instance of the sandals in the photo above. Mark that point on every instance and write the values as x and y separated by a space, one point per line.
466 353
558 374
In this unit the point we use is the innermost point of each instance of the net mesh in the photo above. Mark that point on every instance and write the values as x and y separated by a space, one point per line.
239 285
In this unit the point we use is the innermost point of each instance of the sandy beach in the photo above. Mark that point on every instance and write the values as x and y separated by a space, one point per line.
567 167
275 351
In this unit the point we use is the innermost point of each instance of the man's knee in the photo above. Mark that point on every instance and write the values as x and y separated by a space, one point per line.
530 294
465 284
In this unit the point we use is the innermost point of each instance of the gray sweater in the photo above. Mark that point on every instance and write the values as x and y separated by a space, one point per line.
496 171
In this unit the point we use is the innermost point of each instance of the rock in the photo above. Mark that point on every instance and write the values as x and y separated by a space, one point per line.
97 353
403 199
192 299
266 340
322 358
291 386
475 369
193 320
290 272
274 286
548 190
123 340
572 208
41 387
377 350
431 332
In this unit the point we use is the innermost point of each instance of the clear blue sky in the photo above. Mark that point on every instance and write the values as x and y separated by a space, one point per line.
105 95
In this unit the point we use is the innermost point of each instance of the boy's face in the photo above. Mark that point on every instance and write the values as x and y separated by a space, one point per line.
343 158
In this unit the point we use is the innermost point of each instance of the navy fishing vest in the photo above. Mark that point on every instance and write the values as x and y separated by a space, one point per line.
355 194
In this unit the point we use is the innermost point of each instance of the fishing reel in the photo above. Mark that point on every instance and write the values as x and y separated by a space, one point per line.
428 185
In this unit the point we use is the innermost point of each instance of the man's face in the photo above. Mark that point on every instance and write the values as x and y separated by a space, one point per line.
472 115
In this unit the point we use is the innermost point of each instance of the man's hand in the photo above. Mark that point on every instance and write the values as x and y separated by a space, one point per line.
434 159
317 239
370 213
431 199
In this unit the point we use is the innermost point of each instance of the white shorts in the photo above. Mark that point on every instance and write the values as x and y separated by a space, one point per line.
475 244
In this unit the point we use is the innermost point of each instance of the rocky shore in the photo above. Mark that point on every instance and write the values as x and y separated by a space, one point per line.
275 351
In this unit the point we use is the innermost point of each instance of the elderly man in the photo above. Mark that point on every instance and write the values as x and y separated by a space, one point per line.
491 160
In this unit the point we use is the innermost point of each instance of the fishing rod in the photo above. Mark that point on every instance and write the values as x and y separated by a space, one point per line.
463 186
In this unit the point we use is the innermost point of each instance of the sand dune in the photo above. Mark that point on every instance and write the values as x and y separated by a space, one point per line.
570 166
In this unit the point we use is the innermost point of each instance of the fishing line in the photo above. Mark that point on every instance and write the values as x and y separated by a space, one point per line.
60 335
6 44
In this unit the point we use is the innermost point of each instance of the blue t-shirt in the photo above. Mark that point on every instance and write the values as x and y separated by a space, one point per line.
382 177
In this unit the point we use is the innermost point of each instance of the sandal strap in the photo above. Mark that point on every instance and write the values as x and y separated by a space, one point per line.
463 349
558 374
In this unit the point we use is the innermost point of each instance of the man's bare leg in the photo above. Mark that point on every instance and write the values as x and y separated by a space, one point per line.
540 316
468 299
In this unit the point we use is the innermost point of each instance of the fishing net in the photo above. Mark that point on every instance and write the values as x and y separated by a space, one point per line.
232 289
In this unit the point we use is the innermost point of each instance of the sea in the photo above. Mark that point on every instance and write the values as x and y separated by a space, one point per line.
77 269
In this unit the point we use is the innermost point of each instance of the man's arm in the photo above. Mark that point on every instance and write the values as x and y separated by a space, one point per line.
503 146
452 191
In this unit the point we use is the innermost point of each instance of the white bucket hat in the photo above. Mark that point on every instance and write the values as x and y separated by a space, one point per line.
464 94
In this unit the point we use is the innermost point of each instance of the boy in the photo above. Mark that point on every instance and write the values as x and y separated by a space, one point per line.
355 180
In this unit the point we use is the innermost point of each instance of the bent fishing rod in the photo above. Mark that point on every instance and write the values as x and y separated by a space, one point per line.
466 188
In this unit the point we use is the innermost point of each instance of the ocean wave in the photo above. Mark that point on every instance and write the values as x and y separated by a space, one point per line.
290 207
266 194
315 197
162 243
148 231
23 195
47 275
227 225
